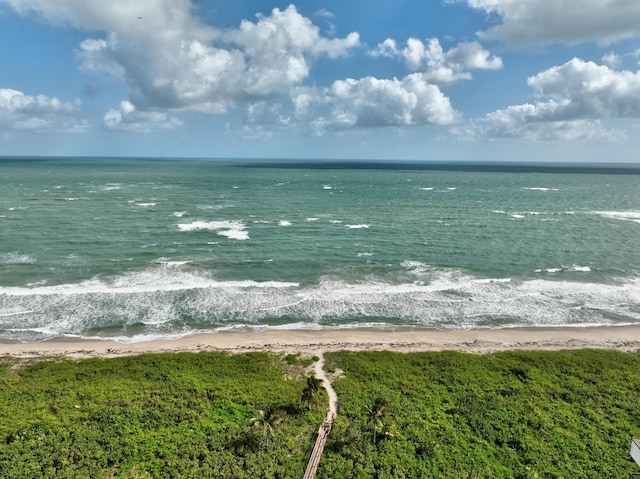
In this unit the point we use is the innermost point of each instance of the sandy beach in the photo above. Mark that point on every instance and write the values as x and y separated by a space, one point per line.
625 338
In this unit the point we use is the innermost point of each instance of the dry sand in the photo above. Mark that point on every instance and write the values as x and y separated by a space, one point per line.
625 338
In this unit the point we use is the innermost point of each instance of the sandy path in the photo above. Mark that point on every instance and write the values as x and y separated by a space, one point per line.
320 374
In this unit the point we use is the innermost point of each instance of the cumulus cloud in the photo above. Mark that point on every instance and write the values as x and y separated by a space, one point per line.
19 111
525 122
577 96
439 66
170 59
373 102
128 118
589 90
529 22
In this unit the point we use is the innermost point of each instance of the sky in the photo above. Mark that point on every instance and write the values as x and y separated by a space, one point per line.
434 80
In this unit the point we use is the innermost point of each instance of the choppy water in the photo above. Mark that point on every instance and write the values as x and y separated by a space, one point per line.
137 249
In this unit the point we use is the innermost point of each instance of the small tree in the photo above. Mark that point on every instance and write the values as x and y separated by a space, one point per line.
379 417
269 421
312 393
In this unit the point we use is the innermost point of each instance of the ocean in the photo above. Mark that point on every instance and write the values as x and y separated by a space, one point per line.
137 249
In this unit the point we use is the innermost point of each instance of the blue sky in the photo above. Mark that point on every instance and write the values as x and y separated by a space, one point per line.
438 80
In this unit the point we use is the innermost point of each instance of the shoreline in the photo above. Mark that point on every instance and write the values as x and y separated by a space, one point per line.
402 339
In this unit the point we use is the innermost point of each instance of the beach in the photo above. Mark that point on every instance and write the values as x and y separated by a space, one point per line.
404 339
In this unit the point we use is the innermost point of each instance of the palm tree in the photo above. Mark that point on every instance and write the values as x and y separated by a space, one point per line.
311 394
378 414
268 420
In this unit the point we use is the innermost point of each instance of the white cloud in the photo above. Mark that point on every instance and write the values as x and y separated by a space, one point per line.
439 66
170 59
372 102
524 122
40 112
578 95
612 59
128 118
265 113
590 90
529 22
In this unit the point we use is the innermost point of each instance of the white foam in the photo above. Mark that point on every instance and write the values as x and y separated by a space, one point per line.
629 215
575 268
158 279
230 229
452 189
235 234
146 205
312 219
170 263
517 216
364 254
416 267
284 223
16 258
327 187
541 189
426 189
356 227
584 269
111 187
179 214
161 298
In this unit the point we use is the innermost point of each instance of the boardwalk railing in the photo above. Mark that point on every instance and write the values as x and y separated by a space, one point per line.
316 454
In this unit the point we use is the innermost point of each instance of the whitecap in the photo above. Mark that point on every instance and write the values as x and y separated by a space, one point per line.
426 189
327 187
284 223
172 263
146 205
541 189
452 189
179 214
312 219
629 215
235 234
517 216
230 229
582 269
356 227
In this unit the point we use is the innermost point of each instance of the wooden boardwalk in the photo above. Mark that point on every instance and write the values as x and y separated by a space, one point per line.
316 454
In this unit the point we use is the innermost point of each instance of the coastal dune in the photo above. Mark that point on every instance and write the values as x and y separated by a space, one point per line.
405 339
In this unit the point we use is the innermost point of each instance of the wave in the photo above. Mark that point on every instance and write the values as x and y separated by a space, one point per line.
169 301
231 229
630 215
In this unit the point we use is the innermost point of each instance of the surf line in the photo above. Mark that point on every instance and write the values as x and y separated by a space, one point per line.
7 315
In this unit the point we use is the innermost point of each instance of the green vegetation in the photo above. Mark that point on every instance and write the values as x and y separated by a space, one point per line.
170 415
509 415
433 415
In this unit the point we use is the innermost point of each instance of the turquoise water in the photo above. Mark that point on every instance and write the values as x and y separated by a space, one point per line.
137 249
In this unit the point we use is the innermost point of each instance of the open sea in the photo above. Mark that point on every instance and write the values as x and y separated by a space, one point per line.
135 249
